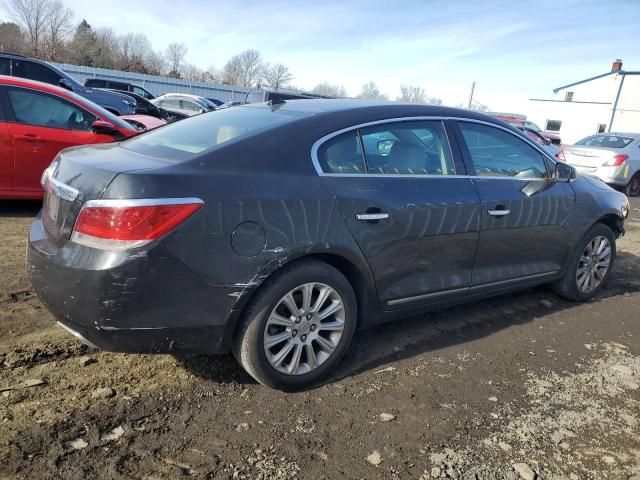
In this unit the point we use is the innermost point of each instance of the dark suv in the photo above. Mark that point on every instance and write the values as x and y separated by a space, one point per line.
124 86
20 66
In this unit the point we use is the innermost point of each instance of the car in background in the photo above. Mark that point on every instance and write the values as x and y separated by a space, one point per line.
37 121
215 101
612 157
184 104
145 107
518 120
32 69
120 86
142 123
537 137
269 232
233 103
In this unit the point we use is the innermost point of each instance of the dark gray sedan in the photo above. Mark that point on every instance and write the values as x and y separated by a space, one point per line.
277 230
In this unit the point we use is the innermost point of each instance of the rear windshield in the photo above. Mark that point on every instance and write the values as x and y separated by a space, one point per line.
606 141
184 139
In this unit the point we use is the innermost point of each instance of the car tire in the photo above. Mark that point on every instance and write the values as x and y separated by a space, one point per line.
586 258
272 304
633 187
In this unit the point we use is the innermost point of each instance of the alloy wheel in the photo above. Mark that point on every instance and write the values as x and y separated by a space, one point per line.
593 264
304 328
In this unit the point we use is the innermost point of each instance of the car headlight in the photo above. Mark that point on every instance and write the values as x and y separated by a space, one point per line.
624 209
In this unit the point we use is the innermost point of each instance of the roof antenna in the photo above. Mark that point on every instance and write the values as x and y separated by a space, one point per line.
275 100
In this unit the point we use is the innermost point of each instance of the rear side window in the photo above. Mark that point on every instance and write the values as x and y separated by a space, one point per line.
190 106
95 83
496 152
407 148
35 71
185 139
342 154
606 141
34 108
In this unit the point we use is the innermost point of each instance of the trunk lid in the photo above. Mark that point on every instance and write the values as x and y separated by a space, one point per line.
80 174
588 156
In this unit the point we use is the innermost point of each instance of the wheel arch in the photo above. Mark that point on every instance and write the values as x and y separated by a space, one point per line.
356 271
614 222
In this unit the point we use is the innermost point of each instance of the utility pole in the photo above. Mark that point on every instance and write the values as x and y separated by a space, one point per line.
473 87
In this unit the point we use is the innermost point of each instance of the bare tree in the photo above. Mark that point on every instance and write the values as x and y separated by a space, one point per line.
212 74
370 91
11 38
58 28
82 48
175 54
251 63
232 72
413 94
326 89
32 17
107 48
276 76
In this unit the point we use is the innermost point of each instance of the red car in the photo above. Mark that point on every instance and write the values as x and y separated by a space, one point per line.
37 120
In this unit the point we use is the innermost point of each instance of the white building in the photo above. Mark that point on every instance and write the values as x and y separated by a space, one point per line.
605 103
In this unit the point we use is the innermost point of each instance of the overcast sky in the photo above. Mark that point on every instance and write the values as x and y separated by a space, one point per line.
514 50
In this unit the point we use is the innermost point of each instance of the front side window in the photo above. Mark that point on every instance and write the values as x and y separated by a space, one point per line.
342 154
190 106
35 71
142 92
407 148
34 108
495 152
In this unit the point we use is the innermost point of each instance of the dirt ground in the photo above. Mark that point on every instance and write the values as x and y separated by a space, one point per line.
521 386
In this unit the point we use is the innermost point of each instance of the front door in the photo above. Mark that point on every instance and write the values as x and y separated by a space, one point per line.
409 206
41 125
524 210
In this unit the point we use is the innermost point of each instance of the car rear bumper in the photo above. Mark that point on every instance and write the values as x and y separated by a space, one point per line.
612 175
142 301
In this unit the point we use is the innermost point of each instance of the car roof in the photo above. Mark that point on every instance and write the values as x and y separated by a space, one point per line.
188 95
389 109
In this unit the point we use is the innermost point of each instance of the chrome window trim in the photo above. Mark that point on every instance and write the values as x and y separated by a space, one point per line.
318 143
139 202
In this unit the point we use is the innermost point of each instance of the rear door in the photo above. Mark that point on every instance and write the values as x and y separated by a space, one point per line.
6 149
524 233
40 126
410 207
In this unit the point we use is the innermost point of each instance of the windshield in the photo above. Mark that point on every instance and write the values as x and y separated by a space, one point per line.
105 114
605 141
185 139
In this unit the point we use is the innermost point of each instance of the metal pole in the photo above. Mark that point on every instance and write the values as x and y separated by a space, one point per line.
473 87
615 104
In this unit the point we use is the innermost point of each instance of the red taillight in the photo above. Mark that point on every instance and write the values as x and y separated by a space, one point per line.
122 224
616 161
560 156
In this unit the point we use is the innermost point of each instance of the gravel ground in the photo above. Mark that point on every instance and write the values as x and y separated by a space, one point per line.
522 386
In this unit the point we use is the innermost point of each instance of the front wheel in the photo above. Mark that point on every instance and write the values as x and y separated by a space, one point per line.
590 266
298 327
633 187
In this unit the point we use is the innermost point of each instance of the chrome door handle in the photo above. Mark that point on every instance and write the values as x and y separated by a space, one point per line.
499 213
368 217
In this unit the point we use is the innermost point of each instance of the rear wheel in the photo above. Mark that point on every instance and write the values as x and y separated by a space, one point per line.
633 187
298 327
589 268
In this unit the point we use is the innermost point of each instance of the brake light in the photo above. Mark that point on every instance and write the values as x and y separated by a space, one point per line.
616 161
124 224
560 156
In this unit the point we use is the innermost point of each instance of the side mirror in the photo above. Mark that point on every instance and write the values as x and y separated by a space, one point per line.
64 83
564 172
100 126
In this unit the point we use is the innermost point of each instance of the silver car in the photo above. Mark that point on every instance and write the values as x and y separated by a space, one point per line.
613 157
